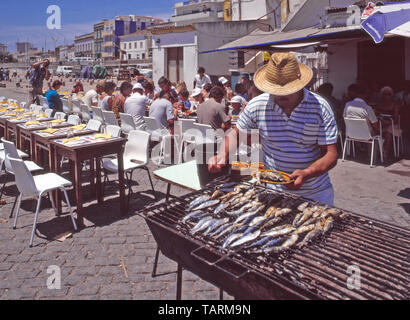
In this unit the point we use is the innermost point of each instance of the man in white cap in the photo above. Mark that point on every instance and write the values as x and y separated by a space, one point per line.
198 97
227 86
297 129
201 79
136 106
237 106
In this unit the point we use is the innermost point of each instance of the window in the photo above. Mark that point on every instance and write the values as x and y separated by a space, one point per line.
129 46
143 56
125 46
129 56
135 45
141 44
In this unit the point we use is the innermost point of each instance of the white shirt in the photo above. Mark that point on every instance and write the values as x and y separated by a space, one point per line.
136 106
200 83
103 104
90 98
359 109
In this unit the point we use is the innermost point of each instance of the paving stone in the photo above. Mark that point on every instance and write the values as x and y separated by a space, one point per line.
19 293
84 289
116 289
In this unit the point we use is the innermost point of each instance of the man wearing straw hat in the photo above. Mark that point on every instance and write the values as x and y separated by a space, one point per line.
297 128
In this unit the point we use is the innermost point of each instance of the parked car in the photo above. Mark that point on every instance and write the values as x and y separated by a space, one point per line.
64 71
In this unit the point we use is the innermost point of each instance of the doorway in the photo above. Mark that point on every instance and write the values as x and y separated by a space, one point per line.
175 63
382 63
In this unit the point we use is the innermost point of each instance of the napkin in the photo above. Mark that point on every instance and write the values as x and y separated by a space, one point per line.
57 121
71 140
10 115
3 110
28 113
43 115
50 131
32 123
103 136
79 127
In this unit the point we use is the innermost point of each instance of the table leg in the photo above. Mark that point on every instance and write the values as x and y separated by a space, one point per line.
100 198
179 282
122 183
78 195
92 177
168 192
54 166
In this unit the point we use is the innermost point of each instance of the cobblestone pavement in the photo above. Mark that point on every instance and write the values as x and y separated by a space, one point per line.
112 257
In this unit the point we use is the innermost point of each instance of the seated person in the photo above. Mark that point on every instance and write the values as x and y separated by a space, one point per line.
184 103
212 112
163 111
198 97
53 98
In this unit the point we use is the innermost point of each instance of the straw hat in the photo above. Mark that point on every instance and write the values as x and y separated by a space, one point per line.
283 75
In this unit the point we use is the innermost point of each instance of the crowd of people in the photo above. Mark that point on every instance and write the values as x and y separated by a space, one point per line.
373 104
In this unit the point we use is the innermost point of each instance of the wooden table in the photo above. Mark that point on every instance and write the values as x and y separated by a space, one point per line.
77 154
25 134
42 142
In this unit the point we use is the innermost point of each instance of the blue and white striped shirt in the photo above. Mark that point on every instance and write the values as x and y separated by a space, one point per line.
292 143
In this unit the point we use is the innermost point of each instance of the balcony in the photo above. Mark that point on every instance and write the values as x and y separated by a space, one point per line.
108 44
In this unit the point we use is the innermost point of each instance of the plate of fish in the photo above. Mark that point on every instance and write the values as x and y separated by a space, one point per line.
272 177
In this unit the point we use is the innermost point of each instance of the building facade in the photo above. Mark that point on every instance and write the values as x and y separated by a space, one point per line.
136 46
3 49
22 47
98 39
195 11
84 45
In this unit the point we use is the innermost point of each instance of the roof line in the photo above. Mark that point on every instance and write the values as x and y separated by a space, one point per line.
279 42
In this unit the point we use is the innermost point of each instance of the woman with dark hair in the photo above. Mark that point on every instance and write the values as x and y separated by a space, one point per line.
78 87
106 100
119 100
149 90
53 98
166 87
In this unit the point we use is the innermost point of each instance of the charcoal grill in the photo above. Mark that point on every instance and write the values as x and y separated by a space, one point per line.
317 271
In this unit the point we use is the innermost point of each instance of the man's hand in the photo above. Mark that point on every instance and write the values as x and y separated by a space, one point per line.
215 165
300 177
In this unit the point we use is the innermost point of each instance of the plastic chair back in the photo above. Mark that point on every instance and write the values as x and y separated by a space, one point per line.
97 114
85 113
11 150
94 125
358 129
66 106
110 118
115 131
151 123
137 146
127 122
60 116
49 112
76 107
74 120
24 179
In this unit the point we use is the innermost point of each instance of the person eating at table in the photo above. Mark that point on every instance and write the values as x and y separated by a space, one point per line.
237 106
387 106
53 98
91 97
184 103
212 112
198 97
136 106
297 129
163 111
119 100
106 100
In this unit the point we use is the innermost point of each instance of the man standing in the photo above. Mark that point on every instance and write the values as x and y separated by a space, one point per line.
297 128
212 112
91 97
201 79
39 73
136 106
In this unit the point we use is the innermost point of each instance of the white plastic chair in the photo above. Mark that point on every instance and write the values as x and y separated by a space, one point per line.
43 101
49 112
115 131
37 187
76 107
127 123
98 114
74 120
66 106
94 125
60 116
184 129
399 142
85 113
110 118
11 150
359 130
136 156
23 104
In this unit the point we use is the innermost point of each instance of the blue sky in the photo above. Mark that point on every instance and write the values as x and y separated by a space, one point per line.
25 20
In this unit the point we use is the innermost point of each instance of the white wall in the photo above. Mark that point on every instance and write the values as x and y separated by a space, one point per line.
159 59
342 66
190 65
248 9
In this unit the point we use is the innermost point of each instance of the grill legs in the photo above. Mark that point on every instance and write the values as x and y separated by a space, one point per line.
154 270
179 282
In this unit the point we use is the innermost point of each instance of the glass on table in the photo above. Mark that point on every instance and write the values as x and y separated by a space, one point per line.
70 133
